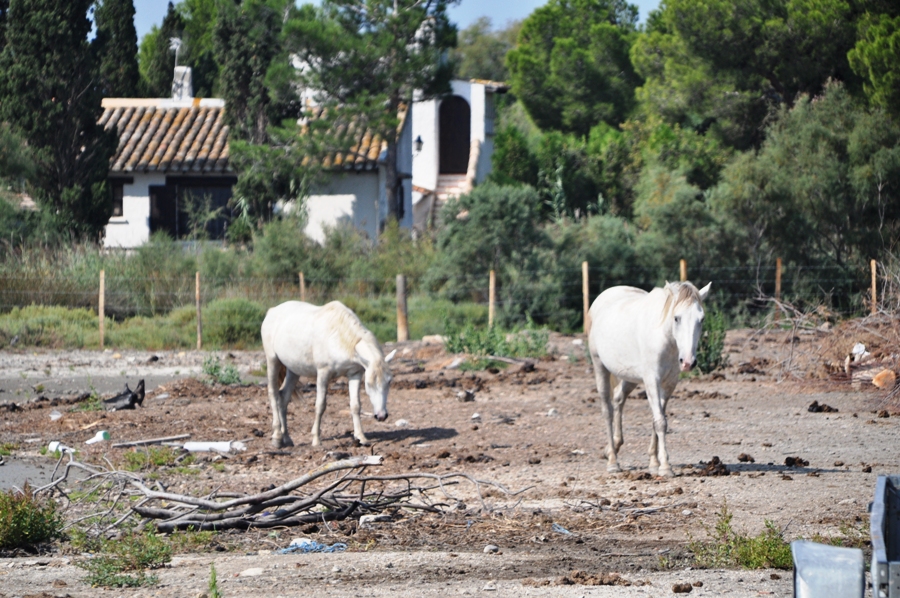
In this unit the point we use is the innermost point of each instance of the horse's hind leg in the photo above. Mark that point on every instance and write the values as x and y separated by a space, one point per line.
623 388
287 390
279 425
601 374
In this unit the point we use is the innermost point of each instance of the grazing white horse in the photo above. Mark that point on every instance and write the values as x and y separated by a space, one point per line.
324 342
644 337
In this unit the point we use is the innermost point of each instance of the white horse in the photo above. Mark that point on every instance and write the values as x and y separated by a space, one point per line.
324 342
644 337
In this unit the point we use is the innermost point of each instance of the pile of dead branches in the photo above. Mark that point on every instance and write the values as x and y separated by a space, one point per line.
341 491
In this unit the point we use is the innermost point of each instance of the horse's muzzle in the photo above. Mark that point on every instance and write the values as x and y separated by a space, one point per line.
687 367
381 416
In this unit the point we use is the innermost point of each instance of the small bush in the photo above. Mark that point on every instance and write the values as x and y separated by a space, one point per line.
486 342
710 356
124 562
25 521
219 374
233 322
155 456
728 548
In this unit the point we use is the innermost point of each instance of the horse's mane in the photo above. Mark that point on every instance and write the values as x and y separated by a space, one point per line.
678 293
352 332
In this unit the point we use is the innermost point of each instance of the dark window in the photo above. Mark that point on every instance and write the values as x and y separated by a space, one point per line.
118 191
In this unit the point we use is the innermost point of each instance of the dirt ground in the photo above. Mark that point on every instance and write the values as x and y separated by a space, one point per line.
527 428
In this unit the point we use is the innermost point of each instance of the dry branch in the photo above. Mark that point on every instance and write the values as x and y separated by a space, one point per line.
296 502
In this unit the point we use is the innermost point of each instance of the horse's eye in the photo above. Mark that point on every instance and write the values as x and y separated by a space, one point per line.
678 319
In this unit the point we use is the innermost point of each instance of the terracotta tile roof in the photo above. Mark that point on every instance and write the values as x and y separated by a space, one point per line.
366 147
168 136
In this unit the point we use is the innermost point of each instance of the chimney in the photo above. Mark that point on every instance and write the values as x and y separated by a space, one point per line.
182 88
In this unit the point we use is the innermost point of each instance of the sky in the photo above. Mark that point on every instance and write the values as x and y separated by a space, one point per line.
151 12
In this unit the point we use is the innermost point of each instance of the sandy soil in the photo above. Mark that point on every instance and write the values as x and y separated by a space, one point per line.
538 429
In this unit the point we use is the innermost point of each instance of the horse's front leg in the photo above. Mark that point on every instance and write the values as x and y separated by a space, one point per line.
354 408
601 374
323 377
659 457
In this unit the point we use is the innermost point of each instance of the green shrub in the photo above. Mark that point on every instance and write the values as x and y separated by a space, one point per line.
156 456
487 342
26 521
710 355
124 562
219 374
727 548
233 322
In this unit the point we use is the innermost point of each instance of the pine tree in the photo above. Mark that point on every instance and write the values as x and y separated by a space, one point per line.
160 70
4 8
50 95
369 58
116 45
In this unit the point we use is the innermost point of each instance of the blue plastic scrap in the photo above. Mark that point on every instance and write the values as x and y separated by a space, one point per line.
560 529
305 545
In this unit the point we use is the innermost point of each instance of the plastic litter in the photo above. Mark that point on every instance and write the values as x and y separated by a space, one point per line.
60 447
305 545
219 447
560 529
98 437
55 415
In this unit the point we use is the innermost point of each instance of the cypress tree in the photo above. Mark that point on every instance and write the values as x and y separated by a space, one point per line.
50 94
161 68
116 45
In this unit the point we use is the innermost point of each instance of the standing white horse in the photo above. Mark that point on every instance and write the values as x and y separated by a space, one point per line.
644 337
324 342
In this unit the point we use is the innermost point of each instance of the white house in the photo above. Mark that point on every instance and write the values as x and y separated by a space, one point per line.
454 137
171 149
168 150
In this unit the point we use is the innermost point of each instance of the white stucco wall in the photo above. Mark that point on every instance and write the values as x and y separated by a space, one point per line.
426 124
132 228
350 198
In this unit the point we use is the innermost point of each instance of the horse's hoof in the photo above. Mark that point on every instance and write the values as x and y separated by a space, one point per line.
666 473
613 469
361 441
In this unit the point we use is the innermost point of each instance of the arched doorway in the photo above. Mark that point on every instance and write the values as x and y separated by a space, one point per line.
455 122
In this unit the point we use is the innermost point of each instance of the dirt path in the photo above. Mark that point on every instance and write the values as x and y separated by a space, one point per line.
539 429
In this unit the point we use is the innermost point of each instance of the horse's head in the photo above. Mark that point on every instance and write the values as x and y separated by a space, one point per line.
378 383
685 303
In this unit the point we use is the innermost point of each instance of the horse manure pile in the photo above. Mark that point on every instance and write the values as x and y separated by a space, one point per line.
713 468
814 407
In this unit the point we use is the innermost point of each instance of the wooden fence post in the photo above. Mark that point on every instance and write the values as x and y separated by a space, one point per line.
777 288
492 296
302 287
101 308
874 265
199 321
683 268
586 299
402 322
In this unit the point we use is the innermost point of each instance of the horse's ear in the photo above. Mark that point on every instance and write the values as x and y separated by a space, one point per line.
390 356
704 292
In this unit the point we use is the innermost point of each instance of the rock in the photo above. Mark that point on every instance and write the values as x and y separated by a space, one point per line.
401 423
886 379
687 512
367 519
434 339
465 396
682 588
252 572
491 549
490 587
552 413
335 569
476 416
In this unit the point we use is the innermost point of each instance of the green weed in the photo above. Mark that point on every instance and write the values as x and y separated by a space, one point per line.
124 562
728 548
710 356
26 521
219 374
92 403
191 540
213 583
7 448
484 343
153 456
